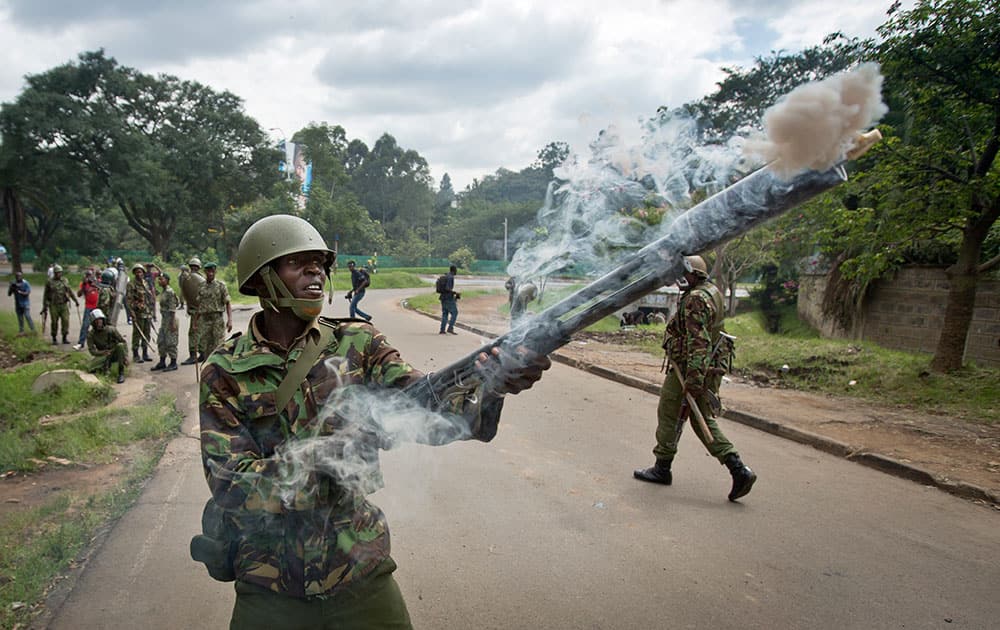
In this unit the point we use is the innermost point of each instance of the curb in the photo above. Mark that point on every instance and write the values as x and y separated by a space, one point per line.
879 462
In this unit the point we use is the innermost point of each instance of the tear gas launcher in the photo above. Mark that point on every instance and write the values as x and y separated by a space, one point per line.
760 196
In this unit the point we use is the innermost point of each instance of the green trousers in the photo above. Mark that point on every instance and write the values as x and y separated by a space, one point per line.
104 363
668 430
375 604
211 332
141 327
59 315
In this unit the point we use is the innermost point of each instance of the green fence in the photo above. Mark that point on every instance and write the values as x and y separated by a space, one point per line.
393 262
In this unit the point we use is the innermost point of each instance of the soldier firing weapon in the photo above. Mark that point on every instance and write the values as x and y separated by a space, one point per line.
762 195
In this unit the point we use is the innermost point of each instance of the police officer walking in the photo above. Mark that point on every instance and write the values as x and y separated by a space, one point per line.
213 300
166 338
137 300
55 300
698 352
318 556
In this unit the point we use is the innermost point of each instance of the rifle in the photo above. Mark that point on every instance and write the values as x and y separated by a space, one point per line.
722 217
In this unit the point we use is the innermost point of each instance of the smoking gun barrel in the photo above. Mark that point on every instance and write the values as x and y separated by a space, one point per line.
724 216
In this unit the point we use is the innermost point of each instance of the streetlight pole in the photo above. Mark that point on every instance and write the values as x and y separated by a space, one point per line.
505 240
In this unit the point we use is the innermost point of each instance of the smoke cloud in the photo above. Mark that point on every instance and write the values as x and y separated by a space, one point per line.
357 422
814 125
602 208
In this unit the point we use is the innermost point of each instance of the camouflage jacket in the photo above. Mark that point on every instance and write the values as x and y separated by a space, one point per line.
106 299
100 342
57 292
314 537
213 297
137 299
168 304
693 331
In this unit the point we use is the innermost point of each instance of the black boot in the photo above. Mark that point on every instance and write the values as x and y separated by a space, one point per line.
145 354
65 340
743 477
201 357
135 357
121 373
172 366
191 360
160 365
54 342
657 473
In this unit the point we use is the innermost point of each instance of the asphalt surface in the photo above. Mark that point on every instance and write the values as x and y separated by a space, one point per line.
545 528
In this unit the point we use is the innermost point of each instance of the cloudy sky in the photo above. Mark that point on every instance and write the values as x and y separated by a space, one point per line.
472 86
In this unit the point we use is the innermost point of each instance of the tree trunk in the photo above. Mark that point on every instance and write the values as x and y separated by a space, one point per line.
963 277
14 214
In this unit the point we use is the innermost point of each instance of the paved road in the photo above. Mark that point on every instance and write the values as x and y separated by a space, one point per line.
545 528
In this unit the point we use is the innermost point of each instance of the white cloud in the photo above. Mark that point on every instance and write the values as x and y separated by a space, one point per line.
471 86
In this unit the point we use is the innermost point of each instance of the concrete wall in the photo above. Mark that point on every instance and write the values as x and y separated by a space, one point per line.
905 311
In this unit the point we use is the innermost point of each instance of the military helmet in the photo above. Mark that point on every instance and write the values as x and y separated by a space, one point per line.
271 238
696 265
97 314
56 268
139 267
194 262
107 277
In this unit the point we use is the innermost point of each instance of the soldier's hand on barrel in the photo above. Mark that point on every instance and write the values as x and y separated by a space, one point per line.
511 372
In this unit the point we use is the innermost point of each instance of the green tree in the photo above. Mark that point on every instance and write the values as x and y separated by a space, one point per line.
166 150
393 183
463 258
40 194
739 102
939 171
326 148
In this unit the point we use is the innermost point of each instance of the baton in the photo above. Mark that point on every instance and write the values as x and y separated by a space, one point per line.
136 327
693 405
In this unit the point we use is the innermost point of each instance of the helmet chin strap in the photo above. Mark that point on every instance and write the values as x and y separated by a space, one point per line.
306 310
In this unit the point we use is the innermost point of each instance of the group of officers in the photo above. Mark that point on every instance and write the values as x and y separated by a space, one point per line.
205 299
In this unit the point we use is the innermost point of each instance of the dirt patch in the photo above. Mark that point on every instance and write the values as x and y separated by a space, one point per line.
25 491
949 449
22 491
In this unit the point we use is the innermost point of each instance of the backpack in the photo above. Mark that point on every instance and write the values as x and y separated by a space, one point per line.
441 286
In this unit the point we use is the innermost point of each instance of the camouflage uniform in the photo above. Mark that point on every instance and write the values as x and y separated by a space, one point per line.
212 299
166 339
691 336
190 286
107 345
56 301
325 539
106 299
137 299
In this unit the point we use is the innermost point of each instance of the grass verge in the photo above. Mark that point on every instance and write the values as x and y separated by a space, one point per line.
850 368
40 543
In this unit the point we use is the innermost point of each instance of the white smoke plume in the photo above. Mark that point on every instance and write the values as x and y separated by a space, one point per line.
359 421
593 214
814 125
